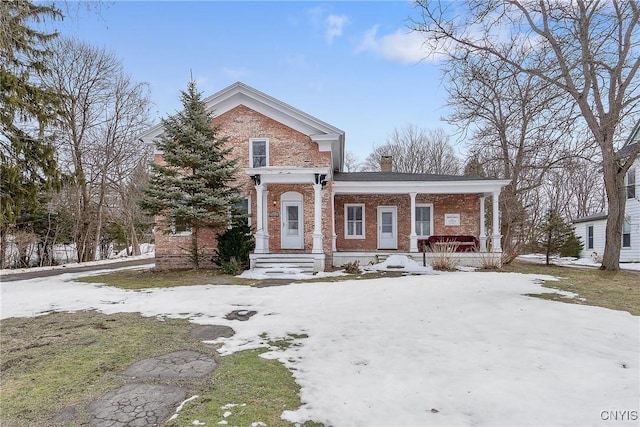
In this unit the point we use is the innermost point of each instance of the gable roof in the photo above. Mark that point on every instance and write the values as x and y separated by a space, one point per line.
595 217
328 137
631 144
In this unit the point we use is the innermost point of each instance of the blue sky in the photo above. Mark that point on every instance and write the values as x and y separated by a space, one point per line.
354 64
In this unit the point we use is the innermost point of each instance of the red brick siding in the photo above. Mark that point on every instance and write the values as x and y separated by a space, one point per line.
467 205
287 147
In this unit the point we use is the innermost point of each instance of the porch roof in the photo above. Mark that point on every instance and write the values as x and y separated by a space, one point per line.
395 182
399 176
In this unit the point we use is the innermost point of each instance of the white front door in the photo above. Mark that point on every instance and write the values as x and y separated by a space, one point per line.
292 229
387 227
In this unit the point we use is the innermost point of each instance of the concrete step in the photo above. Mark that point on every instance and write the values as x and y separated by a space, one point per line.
281 264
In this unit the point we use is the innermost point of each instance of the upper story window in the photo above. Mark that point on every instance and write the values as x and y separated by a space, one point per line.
423 220
590 237
258 153
354 221
631 183
626 232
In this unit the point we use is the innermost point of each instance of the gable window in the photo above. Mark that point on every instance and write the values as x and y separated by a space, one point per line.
626 233
354 221
258 153
590 237
423 220
631 183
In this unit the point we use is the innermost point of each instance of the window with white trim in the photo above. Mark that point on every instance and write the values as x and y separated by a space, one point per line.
590 237
424 219
258 152
242 208
180 227
354 221
631 183
626 232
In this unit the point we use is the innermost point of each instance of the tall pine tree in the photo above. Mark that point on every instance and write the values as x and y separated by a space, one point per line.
27 162
195 187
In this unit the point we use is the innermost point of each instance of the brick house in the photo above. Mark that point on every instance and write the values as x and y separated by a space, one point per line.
306 211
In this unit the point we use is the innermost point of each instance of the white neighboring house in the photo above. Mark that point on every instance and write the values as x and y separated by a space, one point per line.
592 229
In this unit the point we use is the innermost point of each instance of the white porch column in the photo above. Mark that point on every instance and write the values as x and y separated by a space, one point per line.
334 237
260 234
317 219
483 231
413 237
496 244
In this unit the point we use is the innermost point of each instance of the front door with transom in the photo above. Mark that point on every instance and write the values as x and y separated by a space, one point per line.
292 225
387 227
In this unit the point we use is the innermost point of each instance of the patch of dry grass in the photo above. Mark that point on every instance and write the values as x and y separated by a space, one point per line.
145 279
619 290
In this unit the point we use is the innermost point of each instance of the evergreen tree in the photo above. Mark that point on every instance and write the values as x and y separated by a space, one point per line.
234 247
195 187
27 162
556 232
474 167
573 246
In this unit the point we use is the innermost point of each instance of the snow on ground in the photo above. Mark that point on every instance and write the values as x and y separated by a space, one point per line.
462 348
400 263
571 261
147 255
279 271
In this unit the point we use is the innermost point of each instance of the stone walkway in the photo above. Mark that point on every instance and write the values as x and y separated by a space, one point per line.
144 402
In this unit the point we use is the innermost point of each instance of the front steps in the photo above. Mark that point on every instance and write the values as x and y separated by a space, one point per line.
288 263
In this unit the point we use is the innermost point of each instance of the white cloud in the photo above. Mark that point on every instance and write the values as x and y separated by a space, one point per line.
331 25
402 46
334 26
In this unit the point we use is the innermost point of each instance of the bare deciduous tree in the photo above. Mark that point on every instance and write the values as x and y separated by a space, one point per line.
518 131
416 150
585 49
102 112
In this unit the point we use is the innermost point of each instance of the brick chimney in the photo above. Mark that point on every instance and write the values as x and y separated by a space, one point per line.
386 164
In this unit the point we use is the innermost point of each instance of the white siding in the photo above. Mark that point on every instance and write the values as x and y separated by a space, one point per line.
632 210
599 232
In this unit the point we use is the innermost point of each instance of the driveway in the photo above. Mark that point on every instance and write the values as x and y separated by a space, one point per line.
37 273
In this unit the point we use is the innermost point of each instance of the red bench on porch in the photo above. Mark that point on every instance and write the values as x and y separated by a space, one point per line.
461 243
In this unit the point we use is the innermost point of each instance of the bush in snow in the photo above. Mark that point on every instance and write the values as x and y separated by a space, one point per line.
352 267
443 257
234 247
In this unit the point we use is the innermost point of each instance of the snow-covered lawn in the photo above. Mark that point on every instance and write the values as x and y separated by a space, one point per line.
460 348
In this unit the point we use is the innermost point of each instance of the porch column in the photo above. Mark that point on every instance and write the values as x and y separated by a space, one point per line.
413 237
496 238
483 231
334 237
317 218
260 234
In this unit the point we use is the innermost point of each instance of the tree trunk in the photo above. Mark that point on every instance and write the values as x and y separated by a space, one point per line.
3 247
614 183
135 245
195 252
